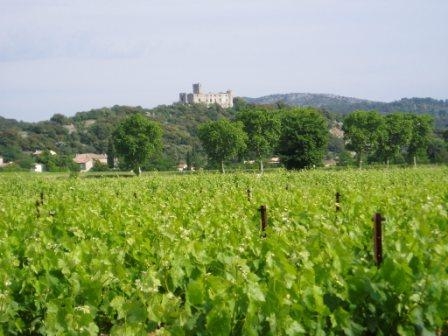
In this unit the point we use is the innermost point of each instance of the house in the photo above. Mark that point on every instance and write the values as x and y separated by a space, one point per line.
182 166
3 163
40 152
38 168
274 160
87 160
330 163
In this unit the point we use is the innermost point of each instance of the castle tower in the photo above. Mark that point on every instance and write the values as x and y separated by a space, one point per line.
183 97
223 99
197 88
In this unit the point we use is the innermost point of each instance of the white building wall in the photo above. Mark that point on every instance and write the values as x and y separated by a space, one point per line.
224 99
85 167
38 168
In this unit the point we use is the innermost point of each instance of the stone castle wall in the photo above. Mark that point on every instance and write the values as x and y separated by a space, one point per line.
224 99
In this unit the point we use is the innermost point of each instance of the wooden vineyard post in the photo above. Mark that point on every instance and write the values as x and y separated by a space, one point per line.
378 238
338 200
249 194
264 220
37 204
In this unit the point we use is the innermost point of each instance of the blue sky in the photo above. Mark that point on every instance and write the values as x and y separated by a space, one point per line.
68 56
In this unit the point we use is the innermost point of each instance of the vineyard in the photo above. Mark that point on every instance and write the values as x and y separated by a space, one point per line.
185 254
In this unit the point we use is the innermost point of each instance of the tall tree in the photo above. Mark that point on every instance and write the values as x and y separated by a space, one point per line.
222 140
444 135
303 139
437 150
135 139
362 131
395 138
263 130
59 119
422 127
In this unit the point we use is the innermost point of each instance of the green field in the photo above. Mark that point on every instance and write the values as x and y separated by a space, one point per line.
184 255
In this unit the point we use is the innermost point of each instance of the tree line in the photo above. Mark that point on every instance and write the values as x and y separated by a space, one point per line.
91 132
268 130
299 136
396 137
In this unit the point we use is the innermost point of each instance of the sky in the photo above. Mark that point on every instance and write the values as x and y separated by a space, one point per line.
67 56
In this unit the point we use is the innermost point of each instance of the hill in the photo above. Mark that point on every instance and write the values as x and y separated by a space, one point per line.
343 105
90 131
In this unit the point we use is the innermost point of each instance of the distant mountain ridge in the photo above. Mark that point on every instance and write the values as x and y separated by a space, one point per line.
344 105
306 99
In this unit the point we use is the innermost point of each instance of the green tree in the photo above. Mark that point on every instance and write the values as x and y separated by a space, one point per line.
345 159
395 138
303 139
56 162
25 161
437 151
110 153
263 130
59 119
10 153
136 138
444 135
363 131
99 166
240 104
222 140
422 127
49 161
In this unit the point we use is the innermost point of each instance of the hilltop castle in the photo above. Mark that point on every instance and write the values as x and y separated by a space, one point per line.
224 99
